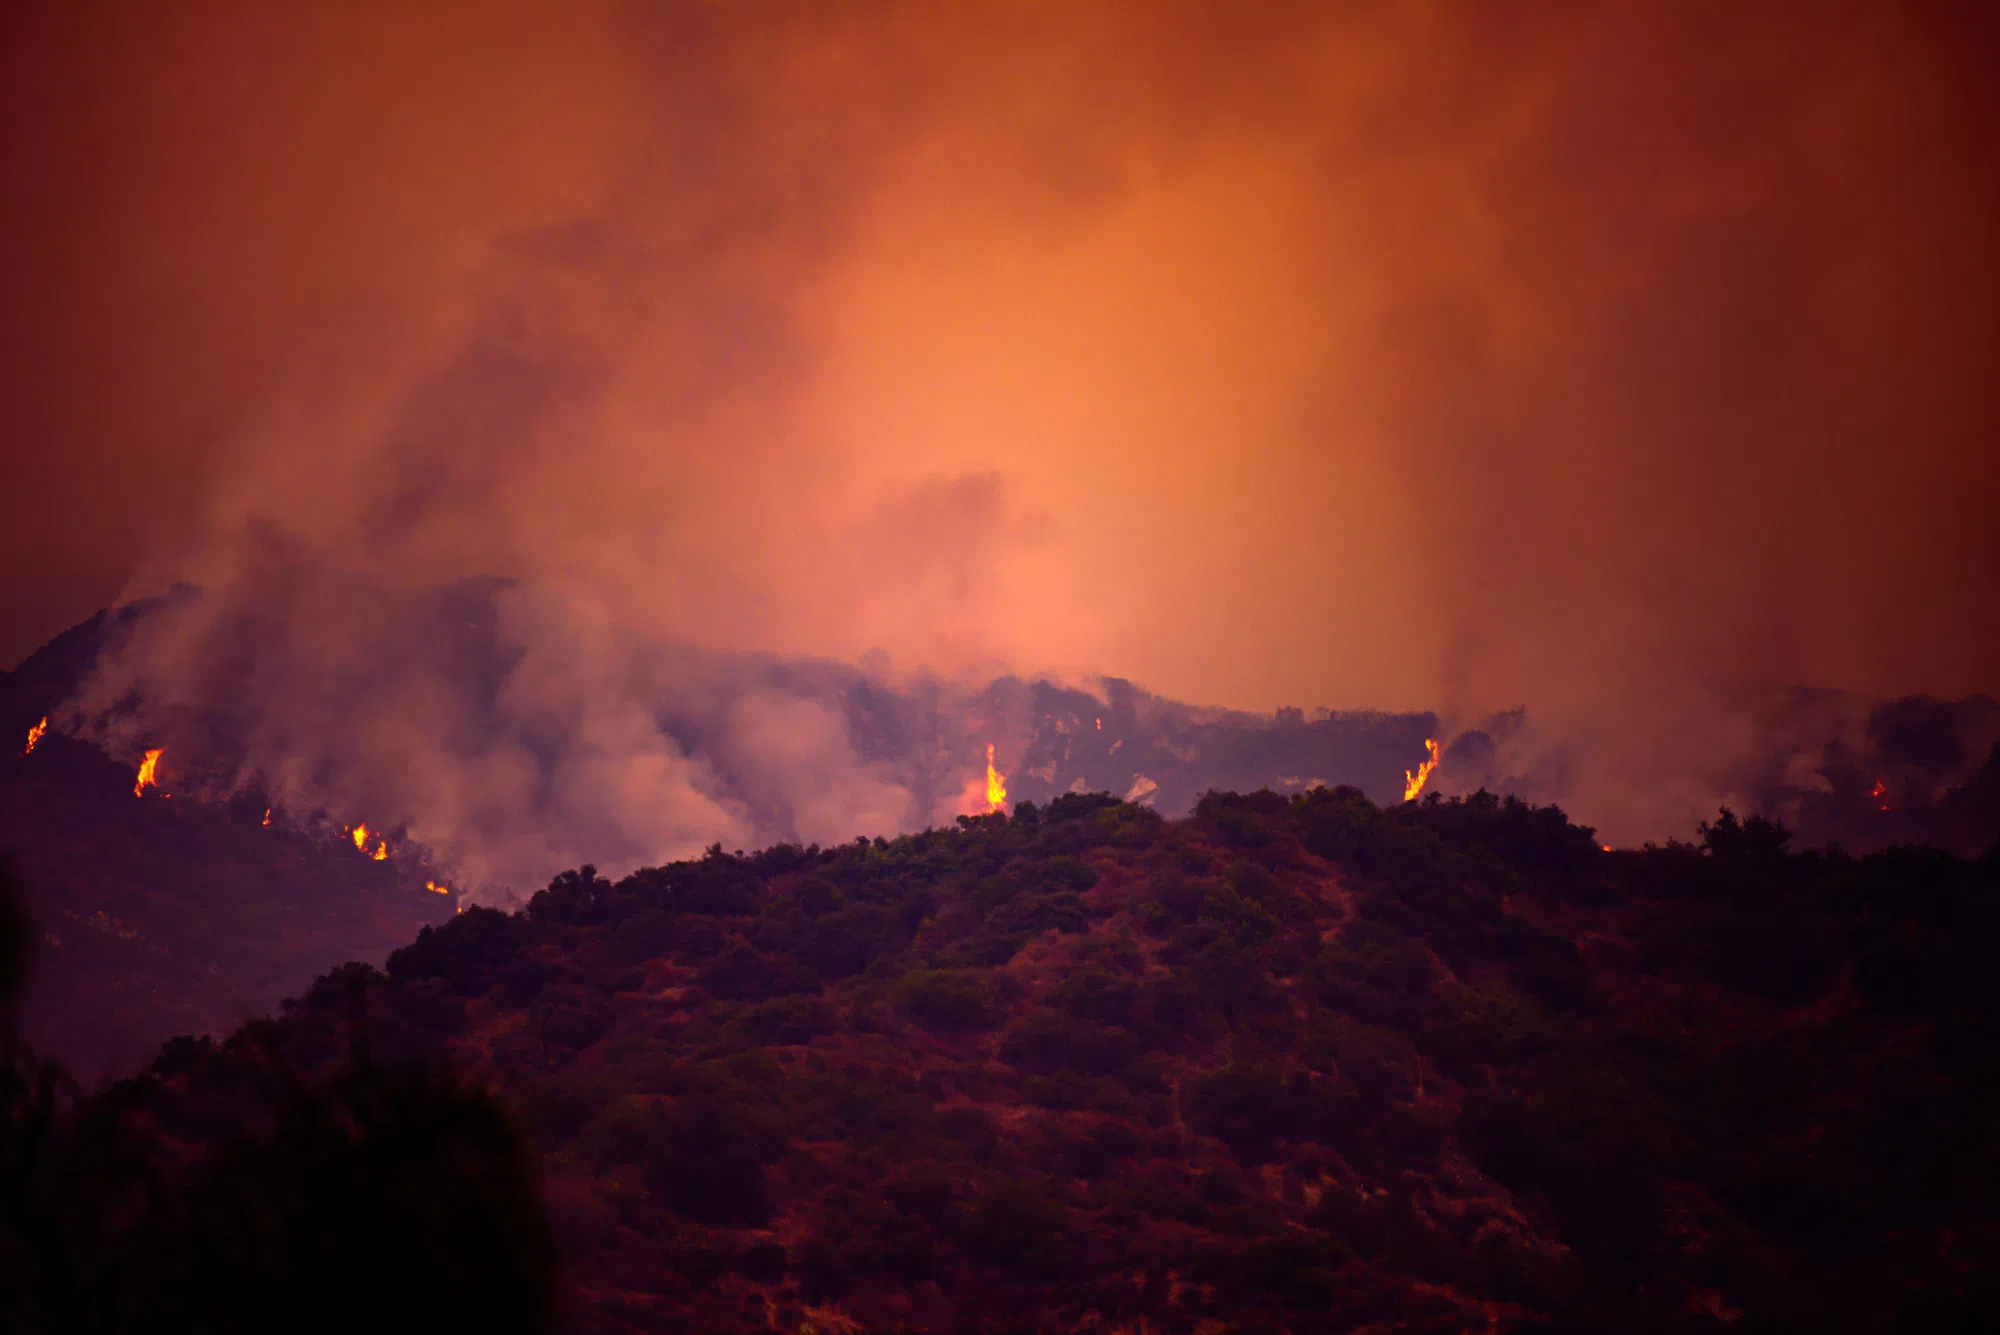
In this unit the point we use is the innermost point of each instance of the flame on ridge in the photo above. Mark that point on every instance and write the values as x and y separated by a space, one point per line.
148 768
996 783
1414 780
361 834
35 735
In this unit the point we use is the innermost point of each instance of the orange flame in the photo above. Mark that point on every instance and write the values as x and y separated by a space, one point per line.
996 783
35 735
1880 792
435 888
1414 780
267 815
147 769
360 834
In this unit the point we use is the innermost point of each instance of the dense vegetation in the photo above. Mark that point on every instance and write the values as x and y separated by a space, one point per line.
1291 1064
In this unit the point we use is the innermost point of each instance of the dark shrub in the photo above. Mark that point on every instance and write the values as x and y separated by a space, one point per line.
845 942
967 1129
1295 1268
1049 1044
579 898
1247 1107
764 1262
786 1020
949 999
744 974
567 1026
1098 994
1026 915
1013 1222
646 934
466 952
706 1155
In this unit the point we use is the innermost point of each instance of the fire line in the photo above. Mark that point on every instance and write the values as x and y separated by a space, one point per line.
996 783
148 769
1414 780
35 735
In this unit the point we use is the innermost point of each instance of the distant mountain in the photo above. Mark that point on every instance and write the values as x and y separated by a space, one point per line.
163 915
1293 1064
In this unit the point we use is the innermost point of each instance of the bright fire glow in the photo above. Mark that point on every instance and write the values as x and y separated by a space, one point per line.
361 834
996 783
35 735
1880 792
267 815
435 888
148 768
1414 780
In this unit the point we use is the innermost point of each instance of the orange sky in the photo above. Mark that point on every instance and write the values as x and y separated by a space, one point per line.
1432 357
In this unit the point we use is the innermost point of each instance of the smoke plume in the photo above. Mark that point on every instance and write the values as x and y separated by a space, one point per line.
1624 365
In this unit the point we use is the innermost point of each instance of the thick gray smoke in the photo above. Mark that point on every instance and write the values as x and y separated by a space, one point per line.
1621 365
499 728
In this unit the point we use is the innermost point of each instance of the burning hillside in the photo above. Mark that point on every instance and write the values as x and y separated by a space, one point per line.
494 758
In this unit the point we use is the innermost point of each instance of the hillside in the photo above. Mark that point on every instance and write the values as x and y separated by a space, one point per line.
1290 1064
156 916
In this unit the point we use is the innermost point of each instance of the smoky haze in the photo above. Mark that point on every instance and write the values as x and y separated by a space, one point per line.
1615 364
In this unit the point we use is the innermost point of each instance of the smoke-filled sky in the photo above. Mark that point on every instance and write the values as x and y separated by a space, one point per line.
1406 355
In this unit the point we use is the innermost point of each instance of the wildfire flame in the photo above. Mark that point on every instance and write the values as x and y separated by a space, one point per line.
996 783
147 769
360 834
435 888
1414 780
35 735
267 815
1880 792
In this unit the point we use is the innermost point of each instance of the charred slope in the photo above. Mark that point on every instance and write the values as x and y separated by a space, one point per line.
1292 1064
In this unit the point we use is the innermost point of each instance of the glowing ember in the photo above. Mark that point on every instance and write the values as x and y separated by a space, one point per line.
435 888
35 735
1414 780
1880 792
267 815
996 783
148 768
